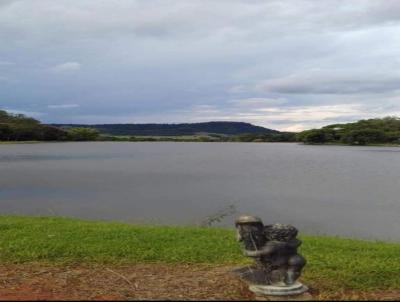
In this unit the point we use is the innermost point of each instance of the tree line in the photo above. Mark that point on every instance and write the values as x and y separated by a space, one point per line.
18 127
364 132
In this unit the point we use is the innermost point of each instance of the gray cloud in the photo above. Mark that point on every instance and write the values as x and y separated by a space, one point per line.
203 17
27 113
331 82
260 61
6 63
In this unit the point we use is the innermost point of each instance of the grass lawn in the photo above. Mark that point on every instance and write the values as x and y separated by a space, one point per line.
333 263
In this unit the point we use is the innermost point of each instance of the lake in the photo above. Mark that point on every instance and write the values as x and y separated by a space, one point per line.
337 190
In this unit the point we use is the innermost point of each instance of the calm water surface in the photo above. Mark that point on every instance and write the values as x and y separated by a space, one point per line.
351 191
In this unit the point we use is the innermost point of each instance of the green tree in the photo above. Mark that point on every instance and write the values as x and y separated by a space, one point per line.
5 132
50 133
246 137
83 134
315 136
18 127
371 131
364 136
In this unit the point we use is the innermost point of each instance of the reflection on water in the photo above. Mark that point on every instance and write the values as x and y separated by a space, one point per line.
352 191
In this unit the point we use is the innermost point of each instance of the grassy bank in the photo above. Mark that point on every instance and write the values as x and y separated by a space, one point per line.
333 263
19 142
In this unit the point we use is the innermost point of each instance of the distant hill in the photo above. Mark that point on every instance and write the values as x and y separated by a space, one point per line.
228 128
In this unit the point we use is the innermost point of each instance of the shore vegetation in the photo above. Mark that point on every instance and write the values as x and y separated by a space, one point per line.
333 263
378 131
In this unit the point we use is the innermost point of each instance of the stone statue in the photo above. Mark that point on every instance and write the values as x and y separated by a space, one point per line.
274 249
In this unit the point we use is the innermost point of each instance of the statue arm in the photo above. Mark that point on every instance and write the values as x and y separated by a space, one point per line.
266 250
294 243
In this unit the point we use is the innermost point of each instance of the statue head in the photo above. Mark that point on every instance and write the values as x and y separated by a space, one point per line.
250 230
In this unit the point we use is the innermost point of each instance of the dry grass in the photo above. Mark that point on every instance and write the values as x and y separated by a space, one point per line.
37 281
137 282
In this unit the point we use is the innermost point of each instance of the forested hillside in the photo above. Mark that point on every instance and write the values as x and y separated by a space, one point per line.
228 128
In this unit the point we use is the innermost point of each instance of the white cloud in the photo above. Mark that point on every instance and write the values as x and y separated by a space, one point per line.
283 118
237 89
33 114
205 109
257 102
294 128
347 81
68 67
63 106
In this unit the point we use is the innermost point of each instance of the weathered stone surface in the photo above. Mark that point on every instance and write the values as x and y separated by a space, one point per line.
277 263
279 289
302 297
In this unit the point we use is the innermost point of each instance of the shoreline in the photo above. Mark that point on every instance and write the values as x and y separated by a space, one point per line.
351 145
192 141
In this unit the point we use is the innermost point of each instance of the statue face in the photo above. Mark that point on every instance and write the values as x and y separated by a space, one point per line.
251 234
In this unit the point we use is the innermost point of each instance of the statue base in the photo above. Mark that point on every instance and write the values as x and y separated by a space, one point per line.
256 279
278 290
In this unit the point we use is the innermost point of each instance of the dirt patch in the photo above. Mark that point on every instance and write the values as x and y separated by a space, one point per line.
143 282
357 295
138 282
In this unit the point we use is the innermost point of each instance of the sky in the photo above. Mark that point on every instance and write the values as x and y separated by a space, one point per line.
286 65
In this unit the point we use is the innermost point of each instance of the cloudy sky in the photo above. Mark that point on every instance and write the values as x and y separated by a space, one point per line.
287 65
